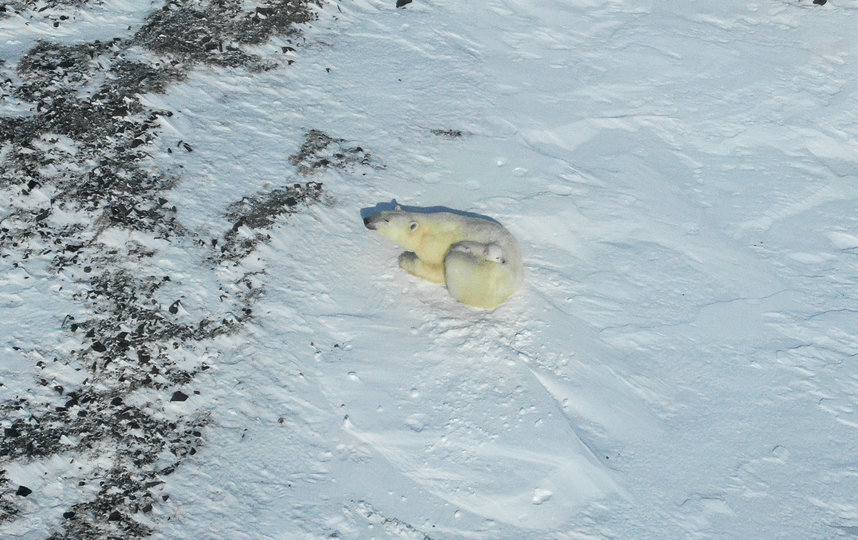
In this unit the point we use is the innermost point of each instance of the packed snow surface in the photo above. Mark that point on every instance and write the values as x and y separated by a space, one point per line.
682 360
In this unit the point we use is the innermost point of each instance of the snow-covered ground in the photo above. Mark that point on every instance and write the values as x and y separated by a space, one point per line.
682 360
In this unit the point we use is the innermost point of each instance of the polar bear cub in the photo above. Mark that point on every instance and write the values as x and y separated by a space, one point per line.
476 258
488 252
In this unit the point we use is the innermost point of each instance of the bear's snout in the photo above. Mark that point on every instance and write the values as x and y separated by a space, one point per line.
372 222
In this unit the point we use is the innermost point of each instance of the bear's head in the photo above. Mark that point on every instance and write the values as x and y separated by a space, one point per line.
398 225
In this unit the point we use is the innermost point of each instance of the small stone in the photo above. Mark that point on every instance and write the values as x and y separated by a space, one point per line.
23 491
98 347
178 395
68 515
114 516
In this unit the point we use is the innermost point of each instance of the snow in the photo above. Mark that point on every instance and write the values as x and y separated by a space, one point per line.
681 361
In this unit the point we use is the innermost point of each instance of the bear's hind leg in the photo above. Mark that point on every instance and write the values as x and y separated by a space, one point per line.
411 263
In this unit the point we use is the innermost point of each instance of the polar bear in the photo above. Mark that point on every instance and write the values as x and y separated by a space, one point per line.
476 258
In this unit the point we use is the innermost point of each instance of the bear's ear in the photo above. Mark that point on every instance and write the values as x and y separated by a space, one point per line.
414 225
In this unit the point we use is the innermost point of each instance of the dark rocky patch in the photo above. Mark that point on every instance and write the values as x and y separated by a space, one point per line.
195 31
84 148
252 215
8 504
321 151
393 526
44 9
448 133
